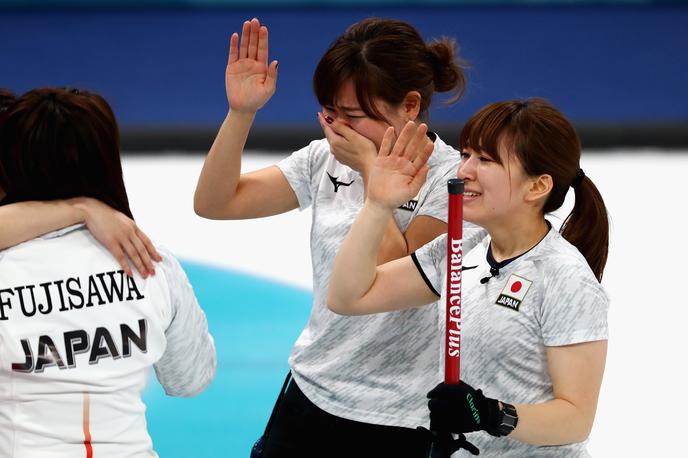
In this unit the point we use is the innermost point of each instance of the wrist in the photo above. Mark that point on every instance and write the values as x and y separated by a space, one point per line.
241 115
378 209
504 420
80 207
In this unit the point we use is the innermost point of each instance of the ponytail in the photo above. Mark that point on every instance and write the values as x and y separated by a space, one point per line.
545 142
587 226
447 67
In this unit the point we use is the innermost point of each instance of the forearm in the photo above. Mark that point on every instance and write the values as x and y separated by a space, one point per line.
554 422
393 245
221 171
27 220
354 268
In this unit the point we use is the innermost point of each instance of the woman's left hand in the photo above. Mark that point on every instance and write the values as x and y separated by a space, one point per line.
348 146
400 168
462 409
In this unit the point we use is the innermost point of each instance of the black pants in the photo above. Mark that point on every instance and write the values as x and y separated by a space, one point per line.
300 429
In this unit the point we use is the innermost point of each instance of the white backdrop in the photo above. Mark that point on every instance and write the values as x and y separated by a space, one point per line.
642 408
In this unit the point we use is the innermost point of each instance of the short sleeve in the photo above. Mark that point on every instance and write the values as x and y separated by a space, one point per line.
188 364
429 260
435 203
574 306
298 170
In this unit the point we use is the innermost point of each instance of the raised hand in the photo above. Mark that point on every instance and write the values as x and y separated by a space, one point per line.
249 80
400 168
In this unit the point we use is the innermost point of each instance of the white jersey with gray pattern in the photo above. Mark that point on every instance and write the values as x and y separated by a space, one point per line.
78 338
377 368
546 297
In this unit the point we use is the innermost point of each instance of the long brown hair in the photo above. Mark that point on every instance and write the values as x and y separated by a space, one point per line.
58 144
545 142
386 59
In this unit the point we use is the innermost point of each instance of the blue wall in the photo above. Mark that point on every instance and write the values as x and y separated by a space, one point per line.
165 67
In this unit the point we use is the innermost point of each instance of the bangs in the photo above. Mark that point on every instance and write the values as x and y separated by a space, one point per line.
365 94
345 61
490 127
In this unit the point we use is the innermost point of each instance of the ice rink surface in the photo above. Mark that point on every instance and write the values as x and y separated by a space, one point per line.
642 406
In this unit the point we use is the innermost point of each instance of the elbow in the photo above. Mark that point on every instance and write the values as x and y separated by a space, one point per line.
338 306
579 430
584 430
199 206
334 305
204 209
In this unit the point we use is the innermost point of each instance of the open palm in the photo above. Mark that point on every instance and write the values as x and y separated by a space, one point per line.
249 80
399 172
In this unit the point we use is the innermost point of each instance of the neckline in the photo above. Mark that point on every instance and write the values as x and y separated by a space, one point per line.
494 264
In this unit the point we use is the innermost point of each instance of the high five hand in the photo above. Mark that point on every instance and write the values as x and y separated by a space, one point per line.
249 80
400 169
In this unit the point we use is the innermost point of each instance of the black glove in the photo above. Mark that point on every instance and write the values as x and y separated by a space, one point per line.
462 409
444 444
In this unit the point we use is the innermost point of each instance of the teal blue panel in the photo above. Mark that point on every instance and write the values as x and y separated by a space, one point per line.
255 322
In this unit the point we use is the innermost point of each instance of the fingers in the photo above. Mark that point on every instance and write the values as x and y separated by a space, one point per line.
133 255
417 143
245 36
419 178
119 255
424 155
253 41
150 248
143 257
343 130
262 56
387 142
233 49
436 391
330 134
404 138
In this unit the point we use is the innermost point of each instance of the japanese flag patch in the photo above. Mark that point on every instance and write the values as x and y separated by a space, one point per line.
514 292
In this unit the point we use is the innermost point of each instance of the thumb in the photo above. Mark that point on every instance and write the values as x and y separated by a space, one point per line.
436 391
272 73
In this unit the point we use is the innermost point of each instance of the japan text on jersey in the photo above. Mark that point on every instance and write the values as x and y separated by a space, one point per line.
65 295
514 292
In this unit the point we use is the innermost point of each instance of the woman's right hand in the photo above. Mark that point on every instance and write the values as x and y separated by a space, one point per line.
249 80
120 235
400 168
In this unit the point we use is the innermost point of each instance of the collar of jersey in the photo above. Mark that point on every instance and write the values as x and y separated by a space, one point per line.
501 264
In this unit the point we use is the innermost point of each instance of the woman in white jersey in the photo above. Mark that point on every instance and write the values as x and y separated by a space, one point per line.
534 316
79 336
351 375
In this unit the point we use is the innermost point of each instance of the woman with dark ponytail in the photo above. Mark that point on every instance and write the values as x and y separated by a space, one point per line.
534 315
358 386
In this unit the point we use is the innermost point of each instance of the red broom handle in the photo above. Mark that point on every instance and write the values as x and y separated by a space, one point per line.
452 355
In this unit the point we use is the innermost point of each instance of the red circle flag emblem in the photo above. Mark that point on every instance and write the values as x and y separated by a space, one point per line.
516 286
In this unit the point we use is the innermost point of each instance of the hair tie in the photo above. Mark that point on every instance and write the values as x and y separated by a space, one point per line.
578 179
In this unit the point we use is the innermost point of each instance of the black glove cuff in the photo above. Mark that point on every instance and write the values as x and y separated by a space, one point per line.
503 421
493 417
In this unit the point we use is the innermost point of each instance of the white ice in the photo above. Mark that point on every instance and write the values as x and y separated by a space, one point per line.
642 406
